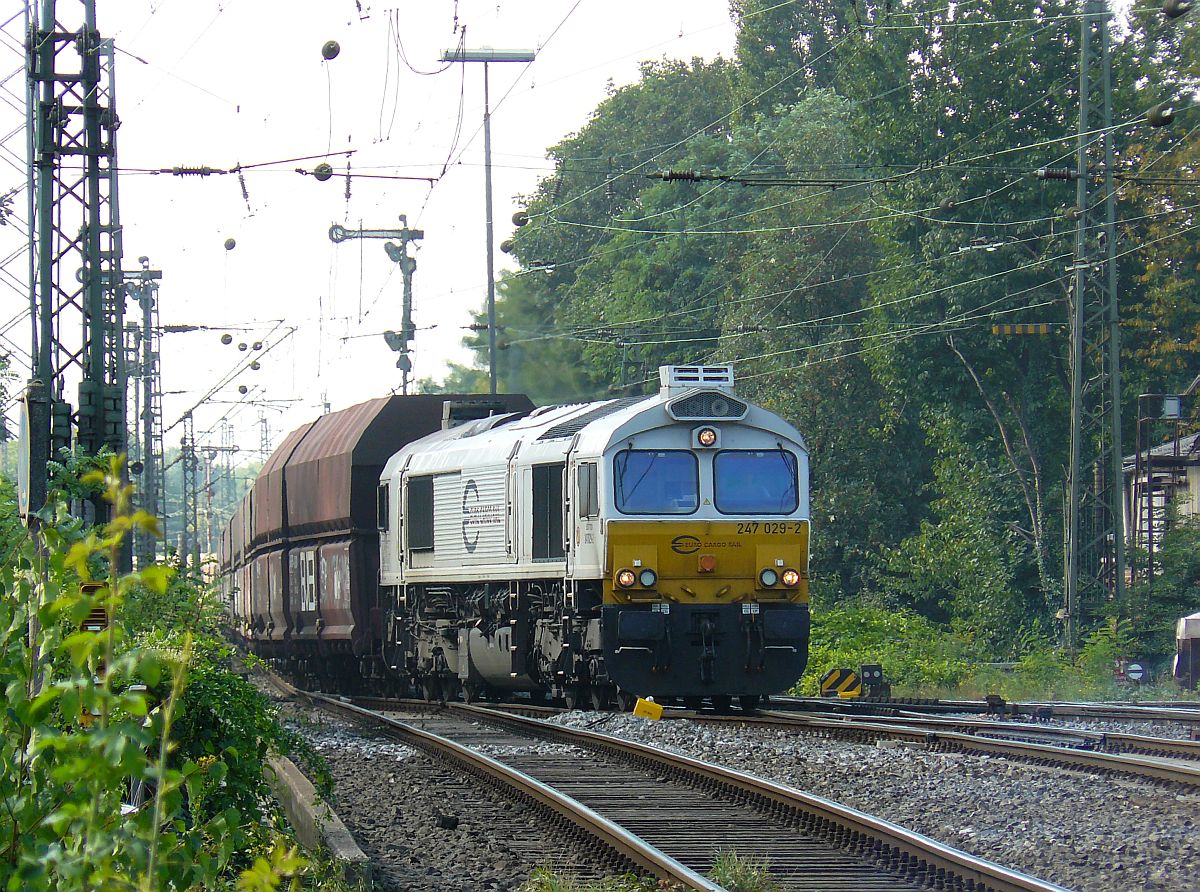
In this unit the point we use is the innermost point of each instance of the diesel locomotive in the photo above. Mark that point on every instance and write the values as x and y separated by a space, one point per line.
643 546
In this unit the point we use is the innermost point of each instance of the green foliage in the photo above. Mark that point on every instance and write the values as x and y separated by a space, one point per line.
738 873
963 565
93 715
1174 592
545 879
915 653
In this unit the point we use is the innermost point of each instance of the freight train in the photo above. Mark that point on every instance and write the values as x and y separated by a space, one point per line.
480 547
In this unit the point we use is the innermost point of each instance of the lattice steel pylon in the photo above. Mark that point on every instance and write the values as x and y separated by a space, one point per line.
146 349
77 292
1095 542
189 550
264 437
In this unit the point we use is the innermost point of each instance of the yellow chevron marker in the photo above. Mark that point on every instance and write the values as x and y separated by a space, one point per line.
648 709
1027 328
843 683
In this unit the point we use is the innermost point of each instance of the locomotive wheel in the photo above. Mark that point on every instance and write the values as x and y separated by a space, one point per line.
427 690
626 701
748 702
575 696
601 697
470 691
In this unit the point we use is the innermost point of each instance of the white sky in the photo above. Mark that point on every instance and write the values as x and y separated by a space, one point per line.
244 81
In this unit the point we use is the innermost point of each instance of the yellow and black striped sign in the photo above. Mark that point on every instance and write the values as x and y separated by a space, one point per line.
1027 328
841 683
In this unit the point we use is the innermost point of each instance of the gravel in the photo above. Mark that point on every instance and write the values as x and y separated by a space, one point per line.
1082 832
424 827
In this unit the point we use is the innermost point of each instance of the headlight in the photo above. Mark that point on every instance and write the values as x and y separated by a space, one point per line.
706 436
647 578
626 578
791 578
768 577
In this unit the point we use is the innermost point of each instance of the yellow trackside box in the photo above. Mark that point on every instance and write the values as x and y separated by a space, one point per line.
648 709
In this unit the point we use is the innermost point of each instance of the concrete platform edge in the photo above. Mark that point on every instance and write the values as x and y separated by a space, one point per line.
315 823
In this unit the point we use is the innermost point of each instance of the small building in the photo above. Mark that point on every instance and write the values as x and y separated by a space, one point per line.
1158 480
1187 651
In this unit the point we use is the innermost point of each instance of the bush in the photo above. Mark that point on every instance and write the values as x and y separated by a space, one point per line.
922 659
915 652
91 713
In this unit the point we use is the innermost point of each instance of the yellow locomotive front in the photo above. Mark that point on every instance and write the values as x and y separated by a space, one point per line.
705 582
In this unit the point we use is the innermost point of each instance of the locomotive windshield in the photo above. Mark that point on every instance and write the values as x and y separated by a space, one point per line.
755 482
656 481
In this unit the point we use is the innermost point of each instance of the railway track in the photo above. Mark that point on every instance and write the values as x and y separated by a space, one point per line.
1156 712
669 815
1108 753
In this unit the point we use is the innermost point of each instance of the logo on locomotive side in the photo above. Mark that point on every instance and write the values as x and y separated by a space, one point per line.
685 545
477 514
471 489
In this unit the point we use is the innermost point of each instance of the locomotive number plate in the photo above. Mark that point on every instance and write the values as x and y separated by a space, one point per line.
771 528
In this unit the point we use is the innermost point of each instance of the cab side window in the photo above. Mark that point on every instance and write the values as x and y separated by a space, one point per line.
418 516
587 489
548 512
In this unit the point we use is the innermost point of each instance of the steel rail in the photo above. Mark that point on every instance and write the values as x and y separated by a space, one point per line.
1143 766
1109 741
845 826
627 845
1113 711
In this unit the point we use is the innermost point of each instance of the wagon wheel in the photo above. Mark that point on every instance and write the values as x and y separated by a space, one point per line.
574 696
722 703
600 696
748 702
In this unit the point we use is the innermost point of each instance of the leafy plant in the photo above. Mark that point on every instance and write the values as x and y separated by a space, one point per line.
92 713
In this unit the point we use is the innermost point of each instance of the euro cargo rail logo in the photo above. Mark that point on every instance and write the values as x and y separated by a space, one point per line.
685 545
477 515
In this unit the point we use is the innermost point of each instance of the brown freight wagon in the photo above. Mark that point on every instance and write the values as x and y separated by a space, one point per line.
306 540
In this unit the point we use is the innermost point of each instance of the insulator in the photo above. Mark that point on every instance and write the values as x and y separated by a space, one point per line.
948 204
243 346
1161 115
686 175
227 339
506 246
257 345
256 365
330 50
520 218
1173 9
243 389
1056 173
230 244
323 171
202 171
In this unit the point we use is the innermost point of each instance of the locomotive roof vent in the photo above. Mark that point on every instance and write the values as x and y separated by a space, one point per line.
707 405
677 378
